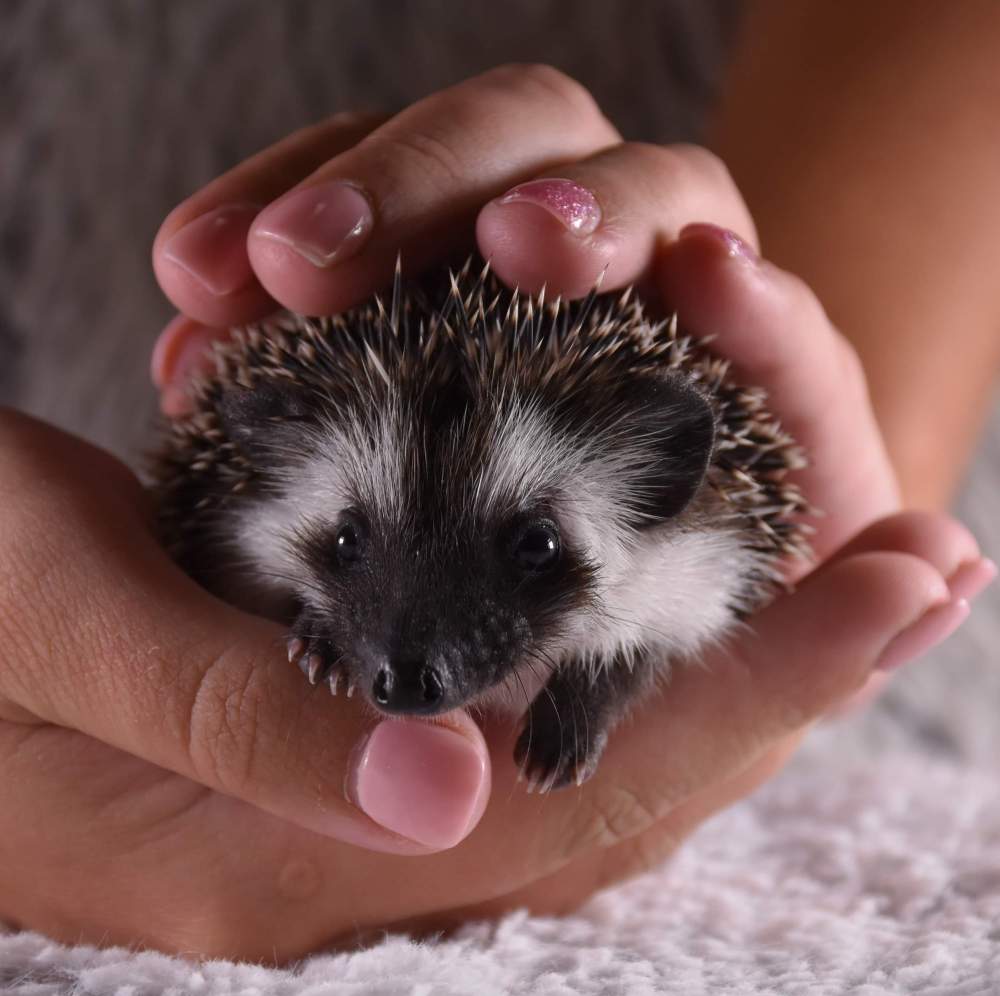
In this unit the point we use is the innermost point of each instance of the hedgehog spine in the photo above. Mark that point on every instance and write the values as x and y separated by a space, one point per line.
530 491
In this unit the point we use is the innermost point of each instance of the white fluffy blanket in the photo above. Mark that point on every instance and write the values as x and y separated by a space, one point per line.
871 879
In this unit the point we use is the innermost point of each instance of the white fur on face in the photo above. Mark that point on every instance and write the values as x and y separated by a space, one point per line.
670 596
665 590
334 466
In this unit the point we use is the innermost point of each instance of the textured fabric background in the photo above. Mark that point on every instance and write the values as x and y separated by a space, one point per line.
114 110
858 871
867 881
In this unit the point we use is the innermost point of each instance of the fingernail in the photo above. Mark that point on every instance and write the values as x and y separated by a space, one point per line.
569 203
212 249
970 579
324 224
162 360
934 626
175 402
182 350
732 244
421 781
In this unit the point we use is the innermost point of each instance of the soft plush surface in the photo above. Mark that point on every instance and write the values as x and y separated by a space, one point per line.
871 866
874 879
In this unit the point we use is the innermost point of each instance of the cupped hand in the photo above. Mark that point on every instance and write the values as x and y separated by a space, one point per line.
314 224
568 204
170 782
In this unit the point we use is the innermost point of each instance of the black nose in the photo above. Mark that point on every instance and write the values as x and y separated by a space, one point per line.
408 688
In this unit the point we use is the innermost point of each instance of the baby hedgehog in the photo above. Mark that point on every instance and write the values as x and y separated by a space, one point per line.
475 497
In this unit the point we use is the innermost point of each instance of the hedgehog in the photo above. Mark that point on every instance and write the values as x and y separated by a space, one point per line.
465 496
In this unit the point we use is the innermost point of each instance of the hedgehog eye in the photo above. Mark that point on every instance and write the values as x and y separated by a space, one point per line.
537 547
349 539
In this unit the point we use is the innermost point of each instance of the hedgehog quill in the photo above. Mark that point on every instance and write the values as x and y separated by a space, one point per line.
472 497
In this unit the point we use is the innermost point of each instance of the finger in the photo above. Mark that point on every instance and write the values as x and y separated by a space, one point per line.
944 543
563 891
199 254
104 635
414 185
268 891
941 542
604 217
806 652
182 352
811 649
777 336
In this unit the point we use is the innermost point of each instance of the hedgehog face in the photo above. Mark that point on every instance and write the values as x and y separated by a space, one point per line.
462 494
431 613
445 545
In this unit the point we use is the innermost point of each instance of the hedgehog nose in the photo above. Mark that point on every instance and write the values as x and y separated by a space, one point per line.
408 687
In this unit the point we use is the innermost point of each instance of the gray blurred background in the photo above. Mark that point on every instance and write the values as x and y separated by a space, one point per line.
112 111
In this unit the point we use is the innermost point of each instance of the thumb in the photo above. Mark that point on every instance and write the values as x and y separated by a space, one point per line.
106 636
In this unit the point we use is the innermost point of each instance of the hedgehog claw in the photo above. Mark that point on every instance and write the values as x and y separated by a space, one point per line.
296 648
316 657
547 762
541 781
315 668
319 665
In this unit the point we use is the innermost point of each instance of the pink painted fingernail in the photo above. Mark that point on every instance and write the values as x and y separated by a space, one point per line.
324 224
212 249
423 782
934 626
575 206
732 244
970 579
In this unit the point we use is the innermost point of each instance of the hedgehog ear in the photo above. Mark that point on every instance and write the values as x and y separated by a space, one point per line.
260 418
678 424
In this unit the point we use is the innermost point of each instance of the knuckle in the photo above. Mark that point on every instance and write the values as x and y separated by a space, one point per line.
334 129
550 83
705 162
680 159
409 153
703 185
639 853
660 166
349 121
222 726
610 816
436 152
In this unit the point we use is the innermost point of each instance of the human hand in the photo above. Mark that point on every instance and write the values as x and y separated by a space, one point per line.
168 782
619 212
357 189
637 805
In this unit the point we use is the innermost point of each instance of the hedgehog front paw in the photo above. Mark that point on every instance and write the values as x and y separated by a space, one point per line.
317 658
553 752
